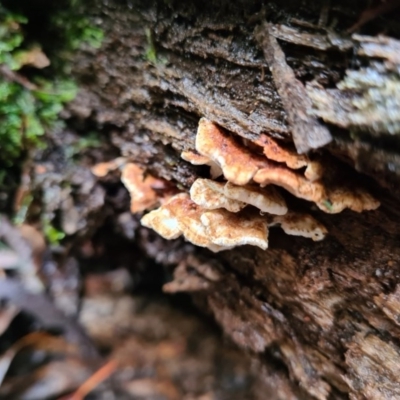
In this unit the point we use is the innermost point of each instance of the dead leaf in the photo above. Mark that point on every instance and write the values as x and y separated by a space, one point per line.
33 57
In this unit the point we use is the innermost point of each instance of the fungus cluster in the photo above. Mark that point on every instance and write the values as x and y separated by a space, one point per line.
239 208
280 167
216 229
213 215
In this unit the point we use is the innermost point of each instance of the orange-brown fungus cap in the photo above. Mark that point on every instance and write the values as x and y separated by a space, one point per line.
188 216
194 158
332 200
238 164
293 182
300 225
102 169
266 199
282 168
210 195
197 159
356 199
141 188
178 216
231 230
275 152
163 222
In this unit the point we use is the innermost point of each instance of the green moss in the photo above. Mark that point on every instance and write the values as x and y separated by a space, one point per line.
52 234
32 96
30 106
77 31
151 51
25 115
11 37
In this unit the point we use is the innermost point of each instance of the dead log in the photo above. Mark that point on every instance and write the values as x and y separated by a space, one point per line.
323 317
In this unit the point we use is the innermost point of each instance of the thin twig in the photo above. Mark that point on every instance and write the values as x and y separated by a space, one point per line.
371 13
99 376
15 77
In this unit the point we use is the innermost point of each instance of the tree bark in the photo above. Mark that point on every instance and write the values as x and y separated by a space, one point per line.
322 317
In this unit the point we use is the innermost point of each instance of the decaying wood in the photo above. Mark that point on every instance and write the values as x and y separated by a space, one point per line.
307 132
322 317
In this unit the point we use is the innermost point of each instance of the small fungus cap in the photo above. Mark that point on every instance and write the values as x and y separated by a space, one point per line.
238 164
141 188
180 216
231 230
356 199
102 169
197 159
163 222
210 195
267 199
275 152
300 225
292 181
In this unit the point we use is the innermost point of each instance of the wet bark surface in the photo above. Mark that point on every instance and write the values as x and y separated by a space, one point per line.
321 318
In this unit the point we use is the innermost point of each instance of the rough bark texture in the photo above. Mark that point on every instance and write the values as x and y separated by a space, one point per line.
323 318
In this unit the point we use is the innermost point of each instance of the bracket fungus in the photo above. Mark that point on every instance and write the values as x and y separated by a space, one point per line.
197 159
104 168
275 152
192 275
238 164
220 229
292 181
267 199
215 229
141 188
230 230
180 216
145 190
223 214
300 225
355 198
329 198
210 195
163 222
280 167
